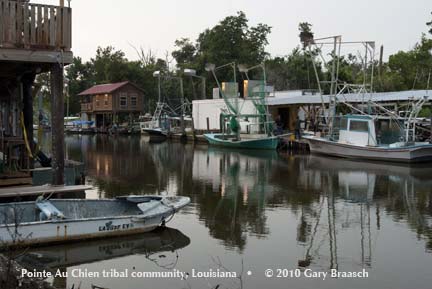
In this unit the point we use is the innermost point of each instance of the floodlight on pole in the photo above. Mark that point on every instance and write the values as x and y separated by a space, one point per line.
242 68
156 73
192 73
189 72
210 67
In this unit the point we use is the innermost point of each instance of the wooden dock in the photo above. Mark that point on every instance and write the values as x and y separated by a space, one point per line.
13 192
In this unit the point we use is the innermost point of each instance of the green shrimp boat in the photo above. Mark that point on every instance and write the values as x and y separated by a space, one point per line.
231 117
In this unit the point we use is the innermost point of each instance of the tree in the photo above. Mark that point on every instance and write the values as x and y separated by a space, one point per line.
231 40
294 71
430 26
185 53
80 76
306 35
410 69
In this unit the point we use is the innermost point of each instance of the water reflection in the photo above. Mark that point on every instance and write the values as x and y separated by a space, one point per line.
341 208
150 245
354 197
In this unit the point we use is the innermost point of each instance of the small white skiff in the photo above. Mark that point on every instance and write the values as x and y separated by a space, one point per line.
59 220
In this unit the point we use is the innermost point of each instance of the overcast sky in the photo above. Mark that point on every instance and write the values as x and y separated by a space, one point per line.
397 24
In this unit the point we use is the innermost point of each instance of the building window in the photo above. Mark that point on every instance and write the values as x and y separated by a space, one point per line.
106 99
133 101
123 100
97 102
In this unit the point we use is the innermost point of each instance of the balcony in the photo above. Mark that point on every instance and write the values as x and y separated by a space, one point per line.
86 107
35 32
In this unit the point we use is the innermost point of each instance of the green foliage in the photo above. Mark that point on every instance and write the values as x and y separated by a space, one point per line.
294 71
108 66
80 76
425 112
305 27
430 25
232 40
410 69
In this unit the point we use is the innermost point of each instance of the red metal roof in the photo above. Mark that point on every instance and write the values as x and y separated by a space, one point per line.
103 88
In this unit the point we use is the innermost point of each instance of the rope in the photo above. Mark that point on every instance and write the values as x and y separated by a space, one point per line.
27 144
173 211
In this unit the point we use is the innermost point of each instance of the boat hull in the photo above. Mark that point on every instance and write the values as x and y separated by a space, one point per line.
155 132
408 154
129 219
268 143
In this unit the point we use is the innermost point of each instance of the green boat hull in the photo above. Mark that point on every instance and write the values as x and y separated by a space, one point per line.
268 143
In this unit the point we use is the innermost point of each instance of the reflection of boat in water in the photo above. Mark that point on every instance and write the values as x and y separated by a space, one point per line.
252 153
67 255
352 201
402 170
246 142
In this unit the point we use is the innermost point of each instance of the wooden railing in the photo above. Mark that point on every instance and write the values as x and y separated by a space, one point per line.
86 106
35 26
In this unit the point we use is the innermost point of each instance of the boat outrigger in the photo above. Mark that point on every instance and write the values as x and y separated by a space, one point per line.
168 111
60 220
260 134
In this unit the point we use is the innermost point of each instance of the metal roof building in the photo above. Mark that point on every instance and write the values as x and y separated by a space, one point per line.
298 97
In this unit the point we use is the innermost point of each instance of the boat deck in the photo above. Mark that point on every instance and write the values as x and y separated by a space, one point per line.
38 190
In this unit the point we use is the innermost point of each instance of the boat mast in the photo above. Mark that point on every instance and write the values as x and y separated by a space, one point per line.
210 67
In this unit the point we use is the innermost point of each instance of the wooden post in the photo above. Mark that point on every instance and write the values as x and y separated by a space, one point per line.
57 124
208 123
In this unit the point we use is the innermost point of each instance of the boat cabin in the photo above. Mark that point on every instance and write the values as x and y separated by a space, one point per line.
357 130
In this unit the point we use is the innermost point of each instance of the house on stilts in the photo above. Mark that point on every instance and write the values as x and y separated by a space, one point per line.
34 38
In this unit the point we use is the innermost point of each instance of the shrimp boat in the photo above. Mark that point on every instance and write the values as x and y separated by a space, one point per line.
357 139
370 131
168 110
60 220
259 132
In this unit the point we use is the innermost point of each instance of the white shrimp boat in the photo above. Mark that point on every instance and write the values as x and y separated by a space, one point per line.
371 131
60 220
357 139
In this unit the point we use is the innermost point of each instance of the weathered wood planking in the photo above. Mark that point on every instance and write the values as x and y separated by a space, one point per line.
45 26
19 24
28 25
12 22
39 24
58 27
1 21
52 35
65 36
38 190
33 25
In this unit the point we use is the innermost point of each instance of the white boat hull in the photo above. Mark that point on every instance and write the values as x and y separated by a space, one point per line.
417 153
79 228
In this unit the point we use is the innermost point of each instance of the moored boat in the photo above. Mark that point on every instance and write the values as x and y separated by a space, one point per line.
60 220
357 138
